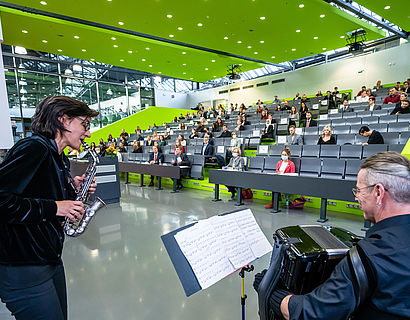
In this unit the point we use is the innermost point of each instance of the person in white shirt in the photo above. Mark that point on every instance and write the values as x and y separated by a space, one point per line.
363 97
372 106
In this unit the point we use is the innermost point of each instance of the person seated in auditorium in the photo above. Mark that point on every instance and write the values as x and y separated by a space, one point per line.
363 97
161 141
296 96
102 141
207 148
155 136
155 157
360 92
175 119
219 123
304 99
224 115
401 109
124 134
398 85
264 115
259 102
378 85
182 126
124 141
372 106
326 137
374 136
236 163
121 147
137 147
209 133
268 131
138 135
92 146
294 116
335 91
167 136
181 117
181 138
110 138
102 148
406 87
309 121
259 110
178 144
285 106
345 107
319 93
154 127
283 166
225 132
235 143
293 138
403 96
239 126
302 111
215 127
245 120
156 144
369 92
392 98
194 134
149 142
278 107
180 159
276 100
330 98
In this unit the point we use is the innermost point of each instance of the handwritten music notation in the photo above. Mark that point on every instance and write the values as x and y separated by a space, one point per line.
220 245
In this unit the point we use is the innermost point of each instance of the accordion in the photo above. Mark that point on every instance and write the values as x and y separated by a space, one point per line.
311 254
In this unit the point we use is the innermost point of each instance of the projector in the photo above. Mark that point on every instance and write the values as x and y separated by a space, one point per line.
233 72
234 76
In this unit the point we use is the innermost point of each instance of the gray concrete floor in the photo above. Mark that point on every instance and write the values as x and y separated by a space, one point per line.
119 269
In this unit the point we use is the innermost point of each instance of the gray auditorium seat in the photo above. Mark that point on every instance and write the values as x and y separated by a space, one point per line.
349 115
295 151
352 169
338 122
310 140
351 151
276 149
361 114
371 149
197 166
381 127
138 157
354 121
311 131
342 139
334 116
403 118
132 157
388 119
341 129
329 151
398 127
360 139
391 137
369 120
263 150
255 164
395 147
309 167
270 164
378 113
404 137
354 128
333 168
145 157
311 151
296 161
219 141
168 158
253 142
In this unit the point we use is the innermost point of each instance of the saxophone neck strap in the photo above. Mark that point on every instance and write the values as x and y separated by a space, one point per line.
359 272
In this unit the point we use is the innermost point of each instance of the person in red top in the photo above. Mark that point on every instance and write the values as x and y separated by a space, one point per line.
392 98
283 166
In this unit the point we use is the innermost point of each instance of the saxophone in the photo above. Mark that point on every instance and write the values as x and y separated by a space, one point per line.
74 229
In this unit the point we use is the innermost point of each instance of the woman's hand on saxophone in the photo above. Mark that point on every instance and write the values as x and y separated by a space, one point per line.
80 180
73 210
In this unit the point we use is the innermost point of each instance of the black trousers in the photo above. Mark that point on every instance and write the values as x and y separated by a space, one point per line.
34 292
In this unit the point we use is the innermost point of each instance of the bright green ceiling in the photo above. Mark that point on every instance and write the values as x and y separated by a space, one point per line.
232 19
398 13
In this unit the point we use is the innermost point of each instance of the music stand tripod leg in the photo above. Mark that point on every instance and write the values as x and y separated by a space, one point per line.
243 295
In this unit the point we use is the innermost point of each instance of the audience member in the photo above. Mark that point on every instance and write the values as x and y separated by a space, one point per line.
167 136
327 137
235 142
294 116
161 141
219 122
175 119
401 109
372 105
363 97
398 85
304 99
181 138
374 136
236 163
181 117
296 96
138 135
378 85
92 146
259 109
330 98
406 87
278 107
264 115
276 100
155 157
259 102
345 107
293 138
319 93
124 134
149 141
302 111
102 141
335 91
309 121
124 141
207 148
393 97
181 160
239 126
225 132
224 114
193 135
137 147
121 147
110 138
245 120
403 96
182 126
155 136
285 105
360 92
268 131
215 127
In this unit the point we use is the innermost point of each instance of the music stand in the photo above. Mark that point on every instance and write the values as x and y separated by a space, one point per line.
244 296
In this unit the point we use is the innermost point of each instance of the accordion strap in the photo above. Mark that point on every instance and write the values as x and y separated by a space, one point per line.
360 275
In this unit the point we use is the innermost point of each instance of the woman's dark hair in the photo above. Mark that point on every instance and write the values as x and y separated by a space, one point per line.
46 118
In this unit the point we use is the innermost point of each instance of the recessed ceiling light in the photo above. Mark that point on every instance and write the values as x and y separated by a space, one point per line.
120 23
76 37
301 5
212 60
262 18
184 64
43 3
142 59
262 41
249 47
322 16
387 7
341 37
83 50
315 38
109 0
293 49
92 59
324 49
20 50
273 57
169 16
115 46
59 50
239 41
121 60
129 51
226 38
256 52
190 78
298 30
24 31
206 68
240 64
171 35
183 52
183 72
44 41
146 48
214 76
113 38
159 72
199 24
150 65
180 28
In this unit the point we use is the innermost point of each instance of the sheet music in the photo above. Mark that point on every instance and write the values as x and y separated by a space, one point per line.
218 246
252 233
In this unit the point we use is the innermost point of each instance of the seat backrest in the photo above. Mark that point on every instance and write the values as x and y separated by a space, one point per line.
132 156
352 168
371 149
295 151
310 140
311 151
333 168
342 139
338 122
354 121
256 163
270 164
381 127
395 147
391 137
329 151
345 129
311 131
351 151
404 137
403 118
263 150
370 120
398 127
310 167
388 119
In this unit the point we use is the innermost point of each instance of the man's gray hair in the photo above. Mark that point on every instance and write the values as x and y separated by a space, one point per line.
392 170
